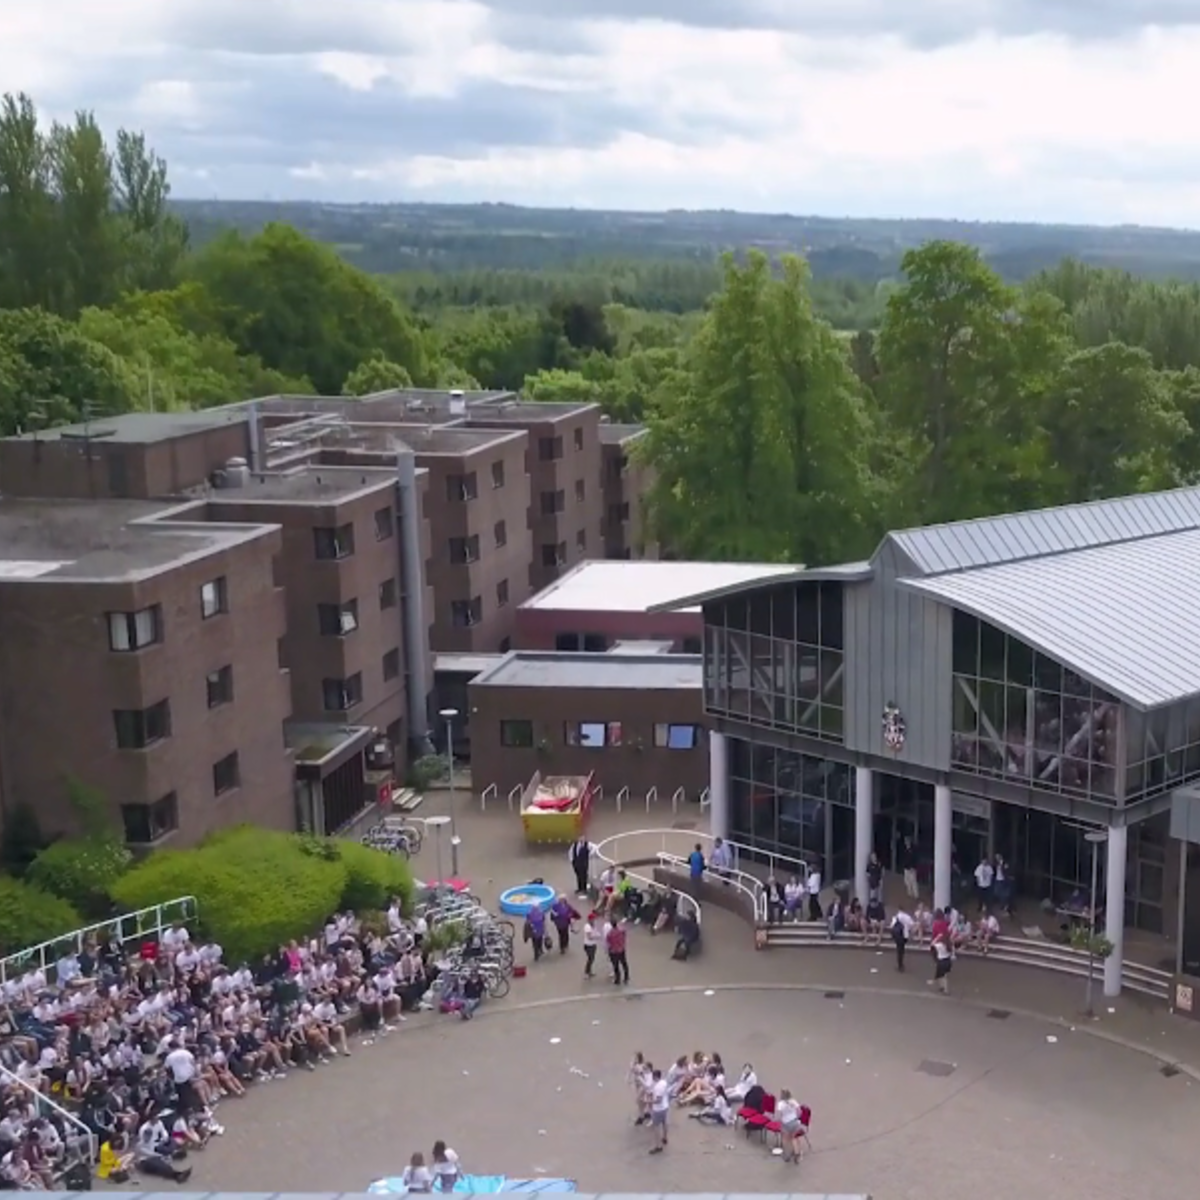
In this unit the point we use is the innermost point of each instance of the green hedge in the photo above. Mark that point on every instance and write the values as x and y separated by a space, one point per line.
29 916
256 889
82 871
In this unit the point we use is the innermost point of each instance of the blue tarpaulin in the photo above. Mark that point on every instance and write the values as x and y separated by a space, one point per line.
479 1185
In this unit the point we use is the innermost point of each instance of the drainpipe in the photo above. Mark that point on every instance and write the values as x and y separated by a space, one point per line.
416 628
255 455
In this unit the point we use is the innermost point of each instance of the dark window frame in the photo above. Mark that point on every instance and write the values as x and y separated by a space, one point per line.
390 664
154 821
385 523
389 594
219 686
497 474
331 619
128 622
142 728
348 693
333 543
516 734
227 774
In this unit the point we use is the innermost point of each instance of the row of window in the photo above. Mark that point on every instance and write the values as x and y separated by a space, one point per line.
129 631
597 735
337 541
341 695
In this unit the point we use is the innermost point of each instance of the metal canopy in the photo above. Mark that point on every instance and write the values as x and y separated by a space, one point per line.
991 541
1125 616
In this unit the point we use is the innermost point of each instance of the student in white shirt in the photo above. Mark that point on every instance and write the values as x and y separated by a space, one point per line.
812 886
985 875
718 1111
660 1108
417 1176
445 1166
746 1081
986 930
593 935
787 1113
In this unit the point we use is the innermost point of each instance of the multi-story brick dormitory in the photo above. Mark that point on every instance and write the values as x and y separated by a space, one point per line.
230 615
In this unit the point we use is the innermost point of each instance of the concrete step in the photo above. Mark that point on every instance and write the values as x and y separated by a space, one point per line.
1027 952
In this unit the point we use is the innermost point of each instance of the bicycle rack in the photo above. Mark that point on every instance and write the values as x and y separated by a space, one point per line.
489 793
515 795
651 797
679 796
622 798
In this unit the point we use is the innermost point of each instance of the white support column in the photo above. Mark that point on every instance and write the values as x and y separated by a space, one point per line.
864 827
1114 908
718 785
943 845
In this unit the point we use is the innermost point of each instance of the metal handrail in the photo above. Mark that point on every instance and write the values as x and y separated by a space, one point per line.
651 797
489 793
82 1134
676 796
514 793
705 799
750 886
622 797
127 927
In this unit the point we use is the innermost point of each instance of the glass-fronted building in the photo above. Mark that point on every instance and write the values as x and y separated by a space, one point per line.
999 686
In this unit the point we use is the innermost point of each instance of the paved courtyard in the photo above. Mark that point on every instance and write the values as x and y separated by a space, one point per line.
914 1096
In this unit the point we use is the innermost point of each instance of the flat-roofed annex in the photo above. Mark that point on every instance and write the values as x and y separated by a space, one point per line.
114 541
556 669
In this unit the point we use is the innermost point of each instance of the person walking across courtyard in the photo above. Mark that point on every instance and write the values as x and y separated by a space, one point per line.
580 858
660 1108
902 927
696 865
592 937
812 885
562 915
614 942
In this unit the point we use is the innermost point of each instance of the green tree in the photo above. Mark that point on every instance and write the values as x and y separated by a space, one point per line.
376 374
960 356
1112 426
759 438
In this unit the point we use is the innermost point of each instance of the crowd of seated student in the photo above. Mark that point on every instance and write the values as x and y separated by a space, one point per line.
140 1048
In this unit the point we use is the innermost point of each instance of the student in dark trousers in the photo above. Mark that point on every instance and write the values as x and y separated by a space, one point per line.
614 941
902 927
580 857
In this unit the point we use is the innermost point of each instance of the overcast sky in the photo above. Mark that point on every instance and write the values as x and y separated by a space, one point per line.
1047 110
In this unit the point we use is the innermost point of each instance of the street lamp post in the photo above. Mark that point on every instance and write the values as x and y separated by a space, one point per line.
437 824
1094 837
448 715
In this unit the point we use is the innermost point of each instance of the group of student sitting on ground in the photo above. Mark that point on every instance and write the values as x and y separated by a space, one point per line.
132 1052
656 909
699 1083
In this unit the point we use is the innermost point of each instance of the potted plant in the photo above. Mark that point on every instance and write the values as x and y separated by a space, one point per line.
1087 941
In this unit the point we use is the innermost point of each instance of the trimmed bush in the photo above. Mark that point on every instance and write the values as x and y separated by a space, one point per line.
29 916
255 888
82 871
373 877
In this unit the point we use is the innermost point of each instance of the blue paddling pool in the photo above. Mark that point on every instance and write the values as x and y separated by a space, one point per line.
519 901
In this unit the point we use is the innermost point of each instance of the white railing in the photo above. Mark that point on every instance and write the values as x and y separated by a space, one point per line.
683 899
514 797
128 927
622 798
705 799
80 1140
489 793
651 797
678 797
750 886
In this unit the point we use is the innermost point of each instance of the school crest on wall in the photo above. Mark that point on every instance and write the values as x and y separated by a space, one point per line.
894 729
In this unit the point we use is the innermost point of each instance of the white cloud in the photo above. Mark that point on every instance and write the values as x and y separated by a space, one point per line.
515 100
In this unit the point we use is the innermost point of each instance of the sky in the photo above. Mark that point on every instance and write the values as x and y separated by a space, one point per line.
1042 110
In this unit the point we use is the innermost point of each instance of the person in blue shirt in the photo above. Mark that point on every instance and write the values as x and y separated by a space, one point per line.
696 866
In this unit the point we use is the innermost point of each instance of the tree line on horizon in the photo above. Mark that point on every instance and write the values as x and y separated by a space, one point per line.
789 419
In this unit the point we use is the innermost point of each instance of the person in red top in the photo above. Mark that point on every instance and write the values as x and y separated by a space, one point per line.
614 943
939 931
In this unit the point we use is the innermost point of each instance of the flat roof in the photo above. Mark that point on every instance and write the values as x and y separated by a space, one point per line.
550 669
614 435
641 647
1124 616
643 585
851 572
464 664
141 428
313 483
106 541
526 410
453 439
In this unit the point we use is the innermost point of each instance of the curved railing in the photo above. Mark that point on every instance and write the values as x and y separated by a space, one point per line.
749 886
605 852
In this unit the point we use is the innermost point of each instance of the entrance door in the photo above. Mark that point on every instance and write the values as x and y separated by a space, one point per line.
904 809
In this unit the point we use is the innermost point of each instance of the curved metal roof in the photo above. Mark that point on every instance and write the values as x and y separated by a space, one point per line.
1125 616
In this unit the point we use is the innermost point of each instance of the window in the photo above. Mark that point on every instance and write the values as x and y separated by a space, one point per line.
581 540
220 686
579 438
618 513
502 593
498 474
330 542
227 774
464 549
213 600
339 695
135 630
593 735
387 593
550 448
146 823
554 555
281 655
579 490
675 737
517 735
337 620
391 665
552 502
500 533
461 487
139 728
385 524
464 613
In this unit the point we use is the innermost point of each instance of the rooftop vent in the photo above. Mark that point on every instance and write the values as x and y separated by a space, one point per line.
458 404
235 474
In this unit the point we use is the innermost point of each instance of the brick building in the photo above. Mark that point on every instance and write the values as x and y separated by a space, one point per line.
348 539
